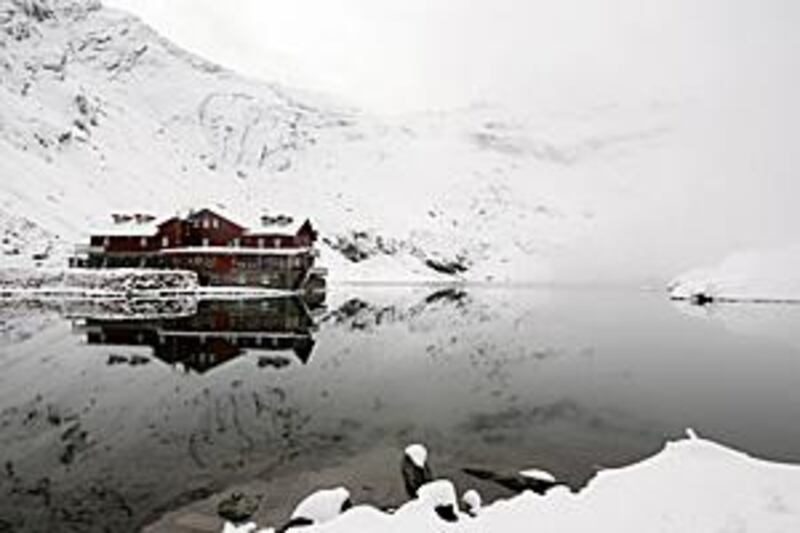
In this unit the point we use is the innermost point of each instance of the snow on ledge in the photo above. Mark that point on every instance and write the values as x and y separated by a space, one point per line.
693 485
755 276
541 475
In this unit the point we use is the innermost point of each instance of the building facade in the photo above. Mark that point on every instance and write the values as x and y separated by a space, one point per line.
279 253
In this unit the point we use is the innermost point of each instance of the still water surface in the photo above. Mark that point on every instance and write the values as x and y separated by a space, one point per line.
112 415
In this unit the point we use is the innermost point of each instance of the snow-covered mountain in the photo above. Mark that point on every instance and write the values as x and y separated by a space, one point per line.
99 114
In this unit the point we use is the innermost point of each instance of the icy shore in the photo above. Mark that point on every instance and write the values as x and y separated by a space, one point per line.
692 485
115 283
754 276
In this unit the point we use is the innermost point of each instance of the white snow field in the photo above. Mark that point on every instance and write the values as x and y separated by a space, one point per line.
89 283
99 114
752 276
692 485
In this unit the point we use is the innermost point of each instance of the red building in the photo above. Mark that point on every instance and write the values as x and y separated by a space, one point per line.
280 253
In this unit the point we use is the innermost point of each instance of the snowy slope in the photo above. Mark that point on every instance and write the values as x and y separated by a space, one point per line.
99 114
756 275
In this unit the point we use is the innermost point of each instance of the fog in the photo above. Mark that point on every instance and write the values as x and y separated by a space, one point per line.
447 53
729 67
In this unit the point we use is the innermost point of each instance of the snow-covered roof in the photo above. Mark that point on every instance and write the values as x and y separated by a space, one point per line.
122 225
147 224
276 225
254 224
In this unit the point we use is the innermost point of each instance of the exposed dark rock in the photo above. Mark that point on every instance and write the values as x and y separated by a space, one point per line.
138 360
277 362
701 299
238 507
414 476
296 523
446 513
114 359
133 360
449 294
514 482
447 267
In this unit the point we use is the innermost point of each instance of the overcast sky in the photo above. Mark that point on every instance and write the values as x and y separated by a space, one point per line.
413 54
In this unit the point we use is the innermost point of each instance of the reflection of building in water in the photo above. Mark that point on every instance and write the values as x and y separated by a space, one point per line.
219 332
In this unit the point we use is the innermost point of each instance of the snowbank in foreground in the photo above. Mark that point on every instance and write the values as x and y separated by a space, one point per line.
771 275
692 485
95 282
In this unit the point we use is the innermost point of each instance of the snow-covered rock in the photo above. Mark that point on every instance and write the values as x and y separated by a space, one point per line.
322 506
760 275
415 469
692 485
439 497
472 502
418 454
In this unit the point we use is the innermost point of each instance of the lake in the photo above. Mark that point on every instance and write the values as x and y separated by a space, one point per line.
112 414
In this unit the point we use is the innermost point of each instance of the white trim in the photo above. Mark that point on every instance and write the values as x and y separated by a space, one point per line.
229 250
232 334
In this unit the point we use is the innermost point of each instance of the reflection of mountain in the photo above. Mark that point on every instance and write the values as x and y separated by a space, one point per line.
218 332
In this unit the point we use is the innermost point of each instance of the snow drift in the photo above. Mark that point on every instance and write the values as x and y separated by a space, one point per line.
761 275
90 282
692 485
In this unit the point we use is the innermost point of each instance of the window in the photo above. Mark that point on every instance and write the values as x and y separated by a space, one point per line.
261 243
235 243
205 241
106 242
164 242
205 223
143 242
276 243
215 222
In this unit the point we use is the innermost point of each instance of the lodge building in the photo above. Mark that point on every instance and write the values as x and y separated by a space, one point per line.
280 253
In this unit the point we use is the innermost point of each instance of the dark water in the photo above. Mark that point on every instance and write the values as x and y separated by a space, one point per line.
112 415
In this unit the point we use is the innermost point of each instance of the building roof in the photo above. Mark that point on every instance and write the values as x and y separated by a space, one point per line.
127 225
193 215
147 225
273 225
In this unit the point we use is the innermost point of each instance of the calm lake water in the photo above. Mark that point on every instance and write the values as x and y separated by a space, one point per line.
112 415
